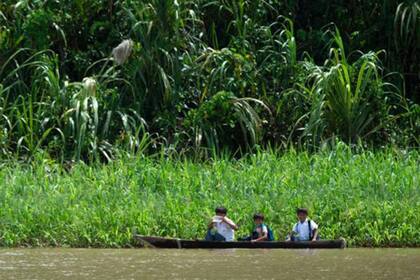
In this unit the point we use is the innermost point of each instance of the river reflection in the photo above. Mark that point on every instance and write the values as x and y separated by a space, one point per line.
107 264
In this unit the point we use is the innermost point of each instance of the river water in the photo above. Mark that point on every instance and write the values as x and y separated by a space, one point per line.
110 264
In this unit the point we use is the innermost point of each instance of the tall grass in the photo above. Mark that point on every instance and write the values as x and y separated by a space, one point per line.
369 198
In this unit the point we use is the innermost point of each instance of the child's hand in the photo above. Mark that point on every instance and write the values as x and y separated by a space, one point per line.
224 220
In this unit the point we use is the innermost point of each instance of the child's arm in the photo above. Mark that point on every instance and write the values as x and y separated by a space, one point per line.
210 225
230 223
315 234
264 237
292 233
314 231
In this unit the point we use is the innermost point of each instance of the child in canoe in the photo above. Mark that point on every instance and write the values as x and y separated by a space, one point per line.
305 229
221 228
261 231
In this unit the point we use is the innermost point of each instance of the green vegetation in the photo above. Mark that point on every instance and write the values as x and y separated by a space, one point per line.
371 199
121 115
81 80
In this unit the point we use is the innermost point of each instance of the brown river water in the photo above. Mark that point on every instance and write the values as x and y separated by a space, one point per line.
110 264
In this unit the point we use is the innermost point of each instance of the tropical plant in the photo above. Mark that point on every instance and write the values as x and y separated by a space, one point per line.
216 121
75 120
84 80
407 43
347 98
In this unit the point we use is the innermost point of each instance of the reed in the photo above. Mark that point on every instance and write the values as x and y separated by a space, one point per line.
369 198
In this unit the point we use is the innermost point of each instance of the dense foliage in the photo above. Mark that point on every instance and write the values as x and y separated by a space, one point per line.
371 199
208 75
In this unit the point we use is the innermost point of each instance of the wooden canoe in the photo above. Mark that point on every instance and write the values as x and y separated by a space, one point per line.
173 243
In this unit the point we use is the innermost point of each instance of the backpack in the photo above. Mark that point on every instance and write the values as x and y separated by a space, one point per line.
270 235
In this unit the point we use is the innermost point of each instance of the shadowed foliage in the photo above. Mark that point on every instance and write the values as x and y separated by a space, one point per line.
82 79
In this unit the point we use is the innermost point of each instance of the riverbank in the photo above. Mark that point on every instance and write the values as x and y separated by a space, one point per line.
369 198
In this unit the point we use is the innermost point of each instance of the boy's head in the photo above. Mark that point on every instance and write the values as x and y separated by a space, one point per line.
221 211
302 214
258 218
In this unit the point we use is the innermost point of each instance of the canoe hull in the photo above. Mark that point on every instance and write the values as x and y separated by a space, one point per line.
171 243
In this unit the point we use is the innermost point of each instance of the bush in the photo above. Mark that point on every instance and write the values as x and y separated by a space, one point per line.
178 56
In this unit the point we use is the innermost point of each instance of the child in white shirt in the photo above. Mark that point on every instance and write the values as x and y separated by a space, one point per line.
305 229
221 228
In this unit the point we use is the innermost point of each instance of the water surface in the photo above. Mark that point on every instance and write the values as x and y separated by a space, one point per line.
107 264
